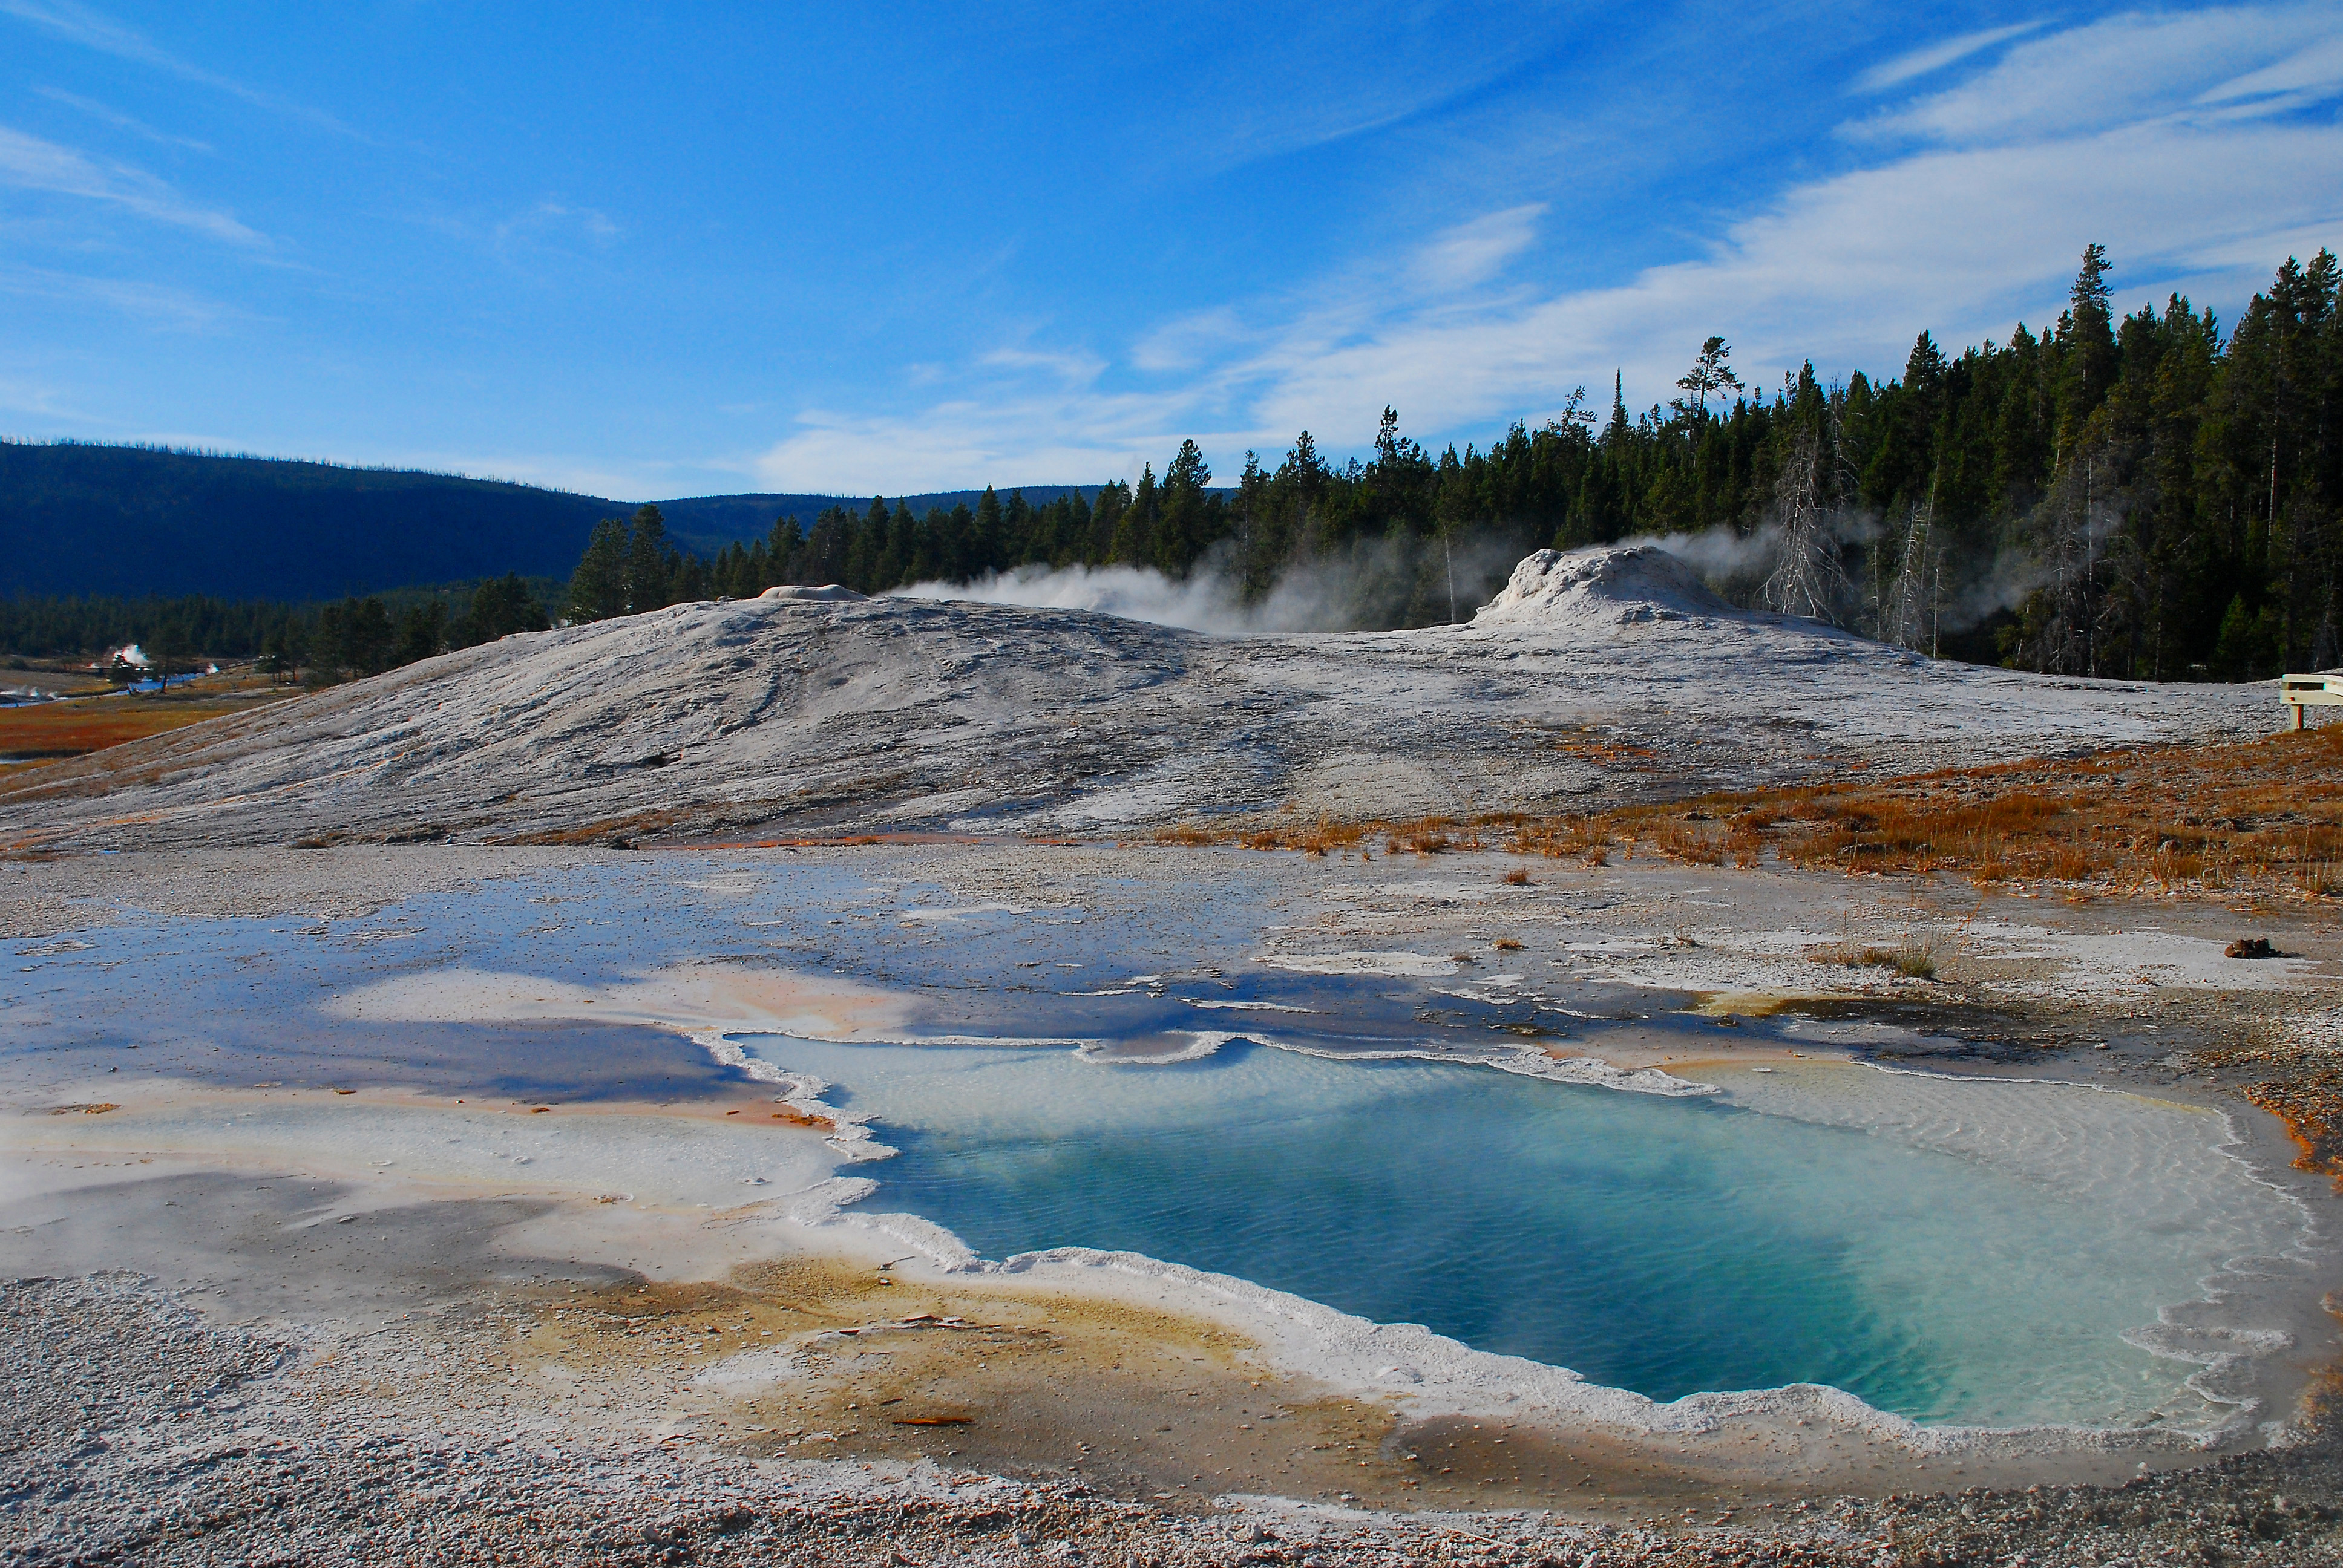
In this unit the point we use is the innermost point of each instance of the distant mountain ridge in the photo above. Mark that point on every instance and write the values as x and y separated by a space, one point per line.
92 519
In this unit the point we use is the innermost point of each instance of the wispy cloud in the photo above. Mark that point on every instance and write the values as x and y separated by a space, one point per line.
552 226
107 115
1020 435
28 163
37 399
1936 56
155 304
1316 80
1977 226
2296 82
93 29
2130 67
1472 253
1847 270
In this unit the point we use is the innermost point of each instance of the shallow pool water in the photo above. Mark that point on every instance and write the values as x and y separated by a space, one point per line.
1975 1261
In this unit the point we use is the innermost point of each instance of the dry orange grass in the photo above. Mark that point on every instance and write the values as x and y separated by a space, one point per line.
52 732
2262 815
1324 836
2256 817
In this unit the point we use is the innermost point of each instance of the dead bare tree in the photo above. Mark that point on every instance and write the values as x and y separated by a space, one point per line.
2072 520
1808 578
1907 612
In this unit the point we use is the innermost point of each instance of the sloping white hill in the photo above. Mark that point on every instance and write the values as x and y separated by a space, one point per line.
789 714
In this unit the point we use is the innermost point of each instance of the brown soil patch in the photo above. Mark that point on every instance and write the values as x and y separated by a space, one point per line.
2258 818
980 1376
813 1358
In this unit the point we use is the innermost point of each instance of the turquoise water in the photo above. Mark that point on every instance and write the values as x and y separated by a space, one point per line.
1930 1261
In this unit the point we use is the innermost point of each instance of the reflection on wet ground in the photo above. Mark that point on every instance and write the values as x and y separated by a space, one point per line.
239 1001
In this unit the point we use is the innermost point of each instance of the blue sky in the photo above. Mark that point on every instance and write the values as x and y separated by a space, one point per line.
658 250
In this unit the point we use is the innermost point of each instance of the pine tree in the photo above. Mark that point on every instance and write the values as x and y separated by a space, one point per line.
983 550
1134 529
597 589
782 547
1709 376
1180 517
422 632
648 566
1106 516
2087 345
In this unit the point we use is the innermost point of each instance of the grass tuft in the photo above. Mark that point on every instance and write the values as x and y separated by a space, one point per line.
1915 958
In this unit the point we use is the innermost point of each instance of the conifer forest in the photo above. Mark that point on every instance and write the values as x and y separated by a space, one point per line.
2149 497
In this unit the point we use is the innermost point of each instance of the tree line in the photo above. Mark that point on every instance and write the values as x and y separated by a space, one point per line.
2146 497
319 644
2142 498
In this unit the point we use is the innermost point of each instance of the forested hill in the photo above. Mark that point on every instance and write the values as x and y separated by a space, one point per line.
129 521
126 520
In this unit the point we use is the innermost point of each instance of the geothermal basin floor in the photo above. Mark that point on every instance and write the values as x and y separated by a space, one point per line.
257 1346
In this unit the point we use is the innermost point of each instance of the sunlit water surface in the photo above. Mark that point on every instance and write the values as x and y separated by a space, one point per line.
1955 1251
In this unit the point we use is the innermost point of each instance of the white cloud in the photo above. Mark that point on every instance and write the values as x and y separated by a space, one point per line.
29 163
1849 269
1189 341
1313 79
1936 56
551 227
38 400
1030 438
1074 368
2303 78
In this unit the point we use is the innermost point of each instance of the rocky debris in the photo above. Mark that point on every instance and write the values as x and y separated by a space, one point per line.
2293 1070
143 1433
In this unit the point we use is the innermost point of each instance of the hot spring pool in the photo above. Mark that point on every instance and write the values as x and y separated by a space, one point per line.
1959 1251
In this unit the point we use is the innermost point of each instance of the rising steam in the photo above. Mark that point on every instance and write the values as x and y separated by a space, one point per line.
1370 585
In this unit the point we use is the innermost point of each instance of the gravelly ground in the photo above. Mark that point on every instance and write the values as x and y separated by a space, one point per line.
140 1433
